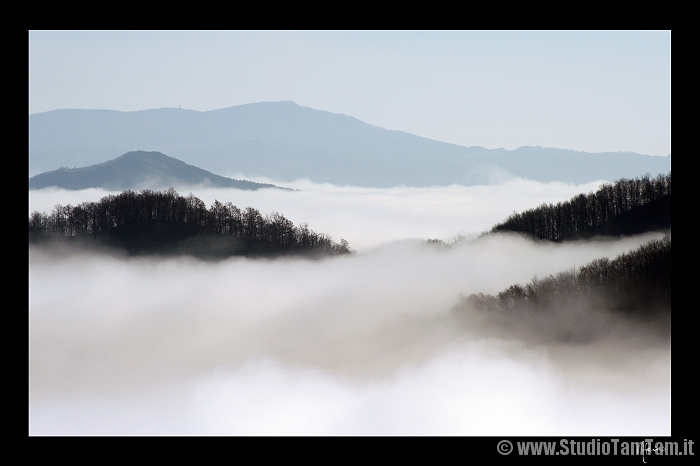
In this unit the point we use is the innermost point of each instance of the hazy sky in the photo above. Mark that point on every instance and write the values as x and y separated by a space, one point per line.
592 91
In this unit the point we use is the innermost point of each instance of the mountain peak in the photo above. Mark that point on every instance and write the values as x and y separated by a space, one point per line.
137 170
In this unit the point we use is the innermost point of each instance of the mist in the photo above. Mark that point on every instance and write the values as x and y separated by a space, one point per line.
367 217
367 344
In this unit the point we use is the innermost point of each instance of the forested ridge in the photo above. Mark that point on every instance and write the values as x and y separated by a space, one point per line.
627 206
166 222
637 282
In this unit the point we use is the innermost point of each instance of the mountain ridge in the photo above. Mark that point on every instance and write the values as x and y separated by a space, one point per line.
285 141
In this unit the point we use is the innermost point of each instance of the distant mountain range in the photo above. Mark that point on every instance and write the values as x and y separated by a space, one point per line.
137 170
285 141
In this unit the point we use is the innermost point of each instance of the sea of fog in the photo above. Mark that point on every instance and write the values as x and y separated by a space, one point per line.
366 344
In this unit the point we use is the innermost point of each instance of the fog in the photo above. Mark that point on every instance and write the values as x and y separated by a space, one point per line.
357 345
367 217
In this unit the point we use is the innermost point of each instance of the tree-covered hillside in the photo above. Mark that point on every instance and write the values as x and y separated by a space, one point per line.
166 222
628 206
638 282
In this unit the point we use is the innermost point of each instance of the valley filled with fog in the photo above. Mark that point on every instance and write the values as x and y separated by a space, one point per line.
366 343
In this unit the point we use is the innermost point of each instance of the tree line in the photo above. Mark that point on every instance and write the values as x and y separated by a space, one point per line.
588 211
635 282
157 220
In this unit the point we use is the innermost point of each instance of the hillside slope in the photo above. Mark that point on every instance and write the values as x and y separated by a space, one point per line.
626 207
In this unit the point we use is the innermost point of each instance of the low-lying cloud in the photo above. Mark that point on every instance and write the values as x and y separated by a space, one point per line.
365 344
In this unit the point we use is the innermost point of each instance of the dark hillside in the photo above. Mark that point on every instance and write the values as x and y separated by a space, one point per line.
578 304
152 222
654 216
629 206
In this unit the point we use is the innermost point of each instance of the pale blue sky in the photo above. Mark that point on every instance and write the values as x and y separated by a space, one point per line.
591 91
